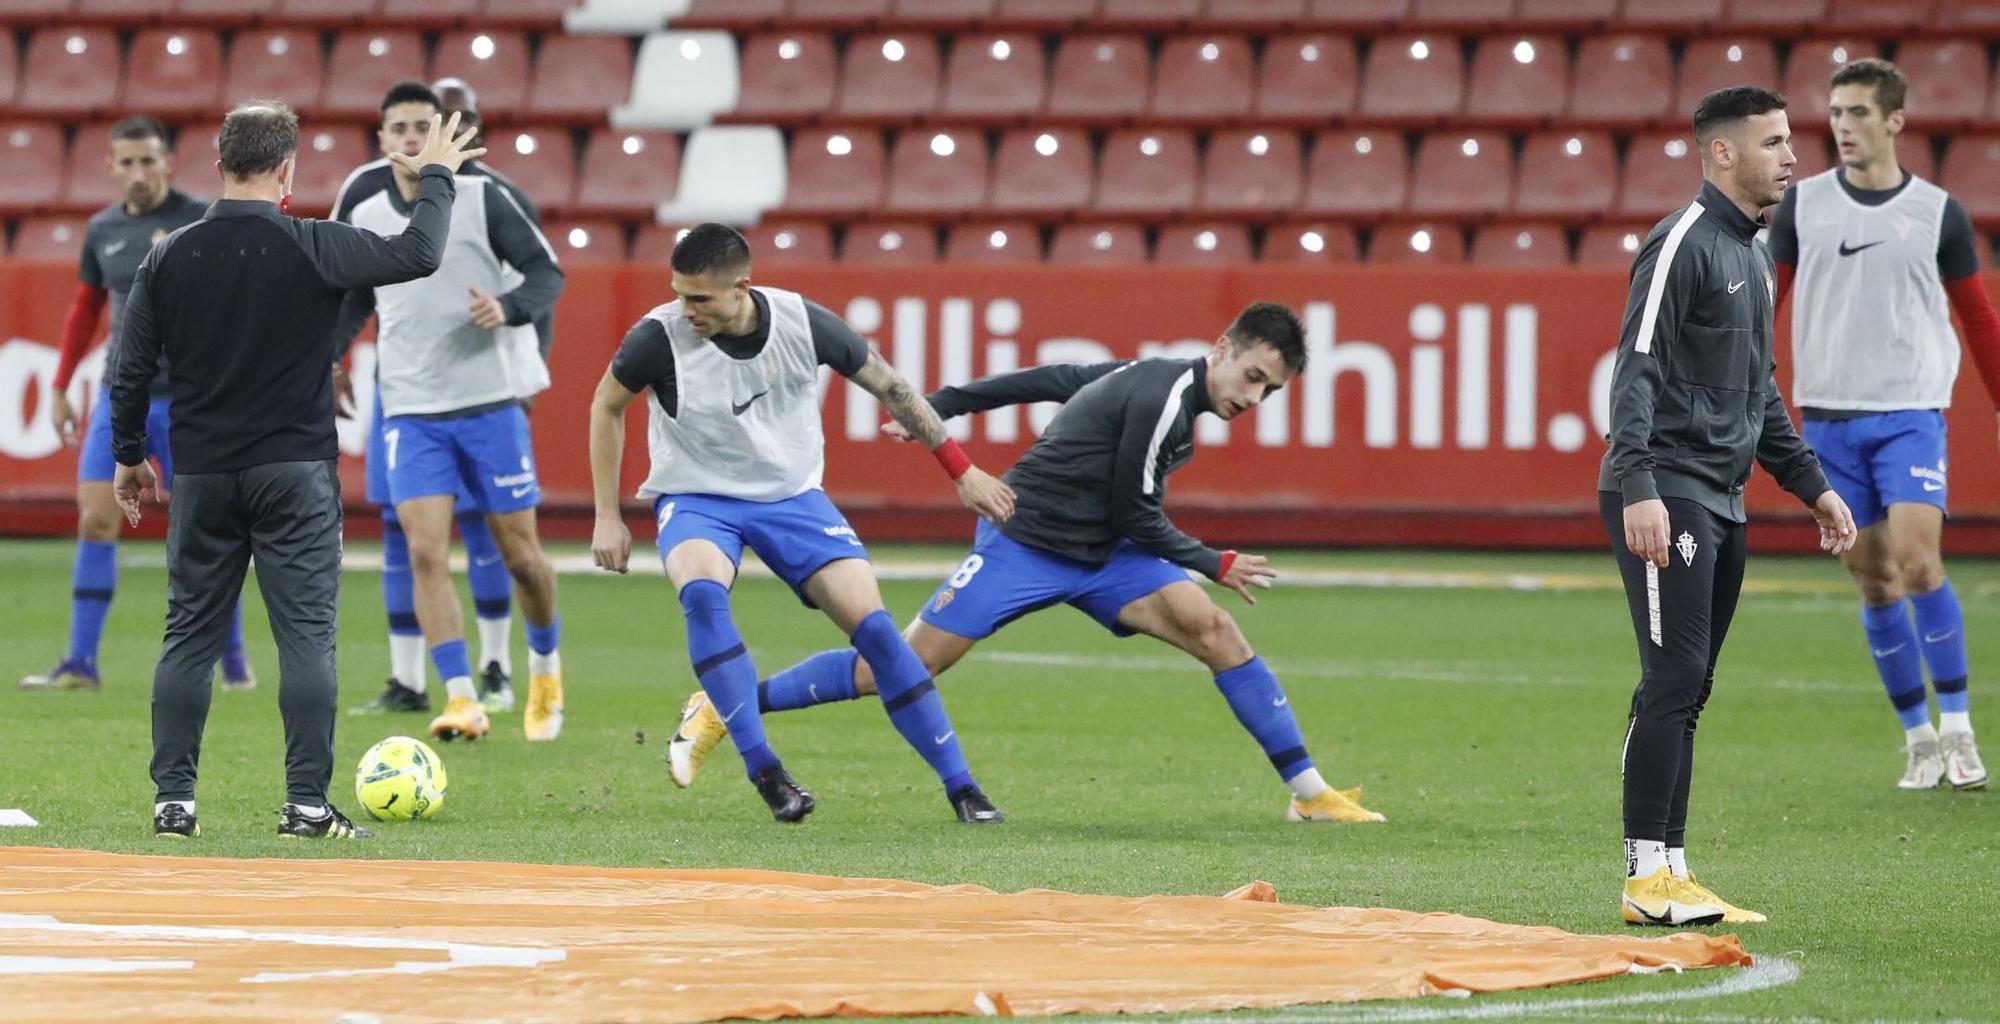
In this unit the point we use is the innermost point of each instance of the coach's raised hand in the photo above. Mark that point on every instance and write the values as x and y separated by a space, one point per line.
444 145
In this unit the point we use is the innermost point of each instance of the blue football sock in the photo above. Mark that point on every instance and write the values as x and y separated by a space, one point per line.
492 584
1943 627
1261 705
912 699
235 662
1893 642
821 679
93 579
544 639
451 660
727 675
398 586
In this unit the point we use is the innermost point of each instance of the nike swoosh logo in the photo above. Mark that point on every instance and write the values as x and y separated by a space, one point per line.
520 492
745 404
731 714
487 561
812 690
114 248
1892 650
1849 250
939 740
1737 285
1946 635
1281 702
1928 486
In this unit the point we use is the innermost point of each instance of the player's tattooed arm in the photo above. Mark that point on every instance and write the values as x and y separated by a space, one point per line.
908 408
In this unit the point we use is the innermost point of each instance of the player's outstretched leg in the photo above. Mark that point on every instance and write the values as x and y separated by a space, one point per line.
521 552
729 680
911 699
405 689
823 678
493 608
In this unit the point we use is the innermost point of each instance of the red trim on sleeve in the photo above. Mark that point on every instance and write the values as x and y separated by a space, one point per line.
79 330
1981 328
1785 274
1228 559
952 458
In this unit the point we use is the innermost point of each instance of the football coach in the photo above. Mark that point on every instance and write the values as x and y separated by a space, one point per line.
240 305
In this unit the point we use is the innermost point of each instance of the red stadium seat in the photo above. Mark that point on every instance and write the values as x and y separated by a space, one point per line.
732 15
545 14
1662 172
1462 174
1098 244
581 76
788 243
32 161
1680 17
1811 63
326 157
1147 171
1784 17
1611 245
1813 149
1203 244
285 64
1148 15
226 13
1357 174
1417 244
363 67
87 181
70 72
1309 79
1460 15
120 12
325 12
427 14
890 243
10 68
495 64
14 12
1564 15
938 173
1711 64
175 72
788 77
889 77
1311 242
627 173
1251 172
835 171
1971 171
995 77
653 244
1881 17
1356 14
581 243
50 239
543 162
1042 173
1413 78
1204 79
1620 79
837 14
1973 17
941 15
1100 78
1045 15
1520 246
1949 82
994 243
1917 155
1253 15
1518 80
1567 174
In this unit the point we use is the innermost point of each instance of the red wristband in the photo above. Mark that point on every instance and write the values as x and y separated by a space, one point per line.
953 459
1228 559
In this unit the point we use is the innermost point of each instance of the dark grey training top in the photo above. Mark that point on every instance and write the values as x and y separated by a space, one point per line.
242 305
1693 399
1098 474
118 239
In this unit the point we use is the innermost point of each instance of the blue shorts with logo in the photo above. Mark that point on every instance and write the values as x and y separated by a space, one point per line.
796 537
1003 579
95 463
487 457
376 464
1877 460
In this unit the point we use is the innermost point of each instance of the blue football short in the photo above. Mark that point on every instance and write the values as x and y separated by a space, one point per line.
1878 460
376 464
487 457
95 463
796 537
1003 579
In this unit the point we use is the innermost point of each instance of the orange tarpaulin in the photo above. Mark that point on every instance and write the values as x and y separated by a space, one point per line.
92 937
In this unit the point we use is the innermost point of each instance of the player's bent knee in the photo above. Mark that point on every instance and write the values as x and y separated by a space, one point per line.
1219 641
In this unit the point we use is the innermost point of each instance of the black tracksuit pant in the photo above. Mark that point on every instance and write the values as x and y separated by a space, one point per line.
1681 614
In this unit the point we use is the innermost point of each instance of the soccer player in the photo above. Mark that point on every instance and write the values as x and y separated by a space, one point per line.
451 376
119 236
1881 259
732 377
1088 530
492 585
1693 403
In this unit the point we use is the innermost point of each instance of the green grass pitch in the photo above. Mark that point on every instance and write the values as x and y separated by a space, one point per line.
1485 722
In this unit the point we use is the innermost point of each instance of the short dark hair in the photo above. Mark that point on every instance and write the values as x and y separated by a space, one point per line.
256 137
408 92
468 98
1728 106
139 128
1890 85
711 247
1273 324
